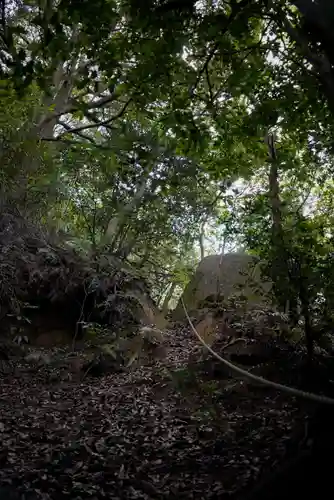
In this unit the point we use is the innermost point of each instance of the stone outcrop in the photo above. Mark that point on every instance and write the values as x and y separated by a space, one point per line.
223 276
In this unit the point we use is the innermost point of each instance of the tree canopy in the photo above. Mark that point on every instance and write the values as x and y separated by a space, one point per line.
143 127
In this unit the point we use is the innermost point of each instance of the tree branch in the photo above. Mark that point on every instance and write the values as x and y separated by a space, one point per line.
95 104
78 143
204 68
103 123
76 106
321 63
69 130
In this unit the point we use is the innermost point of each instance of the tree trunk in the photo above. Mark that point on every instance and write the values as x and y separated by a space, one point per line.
305 309
125 250
201 242
279 261
116 224
167 298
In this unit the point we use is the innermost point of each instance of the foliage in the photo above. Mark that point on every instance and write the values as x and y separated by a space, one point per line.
134 139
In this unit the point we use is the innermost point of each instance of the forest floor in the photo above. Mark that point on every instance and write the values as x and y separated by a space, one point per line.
136 435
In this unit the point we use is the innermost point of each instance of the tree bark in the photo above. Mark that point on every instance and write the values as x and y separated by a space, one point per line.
117 223
201 241
279 267
167 298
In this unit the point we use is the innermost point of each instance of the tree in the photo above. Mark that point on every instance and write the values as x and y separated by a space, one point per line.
142 126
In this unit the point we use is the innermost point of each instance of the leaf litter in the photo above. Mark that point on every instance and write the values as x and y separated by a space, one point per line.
137 435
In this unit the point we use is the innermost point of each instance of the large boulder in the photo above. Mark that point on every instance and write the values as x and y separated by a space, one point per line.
223 276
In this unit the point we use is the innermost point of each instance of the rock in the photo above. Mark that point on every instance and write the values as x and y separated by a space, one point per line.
38 357
224 276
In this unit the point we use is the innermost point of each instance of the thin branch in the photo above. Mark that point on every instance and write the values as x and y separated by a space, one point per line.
75 130
95 104
254 378
75 106
77 143
65 141
320 62
210 88
288 57
305 198
69 131
236 10
94 118
204 68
